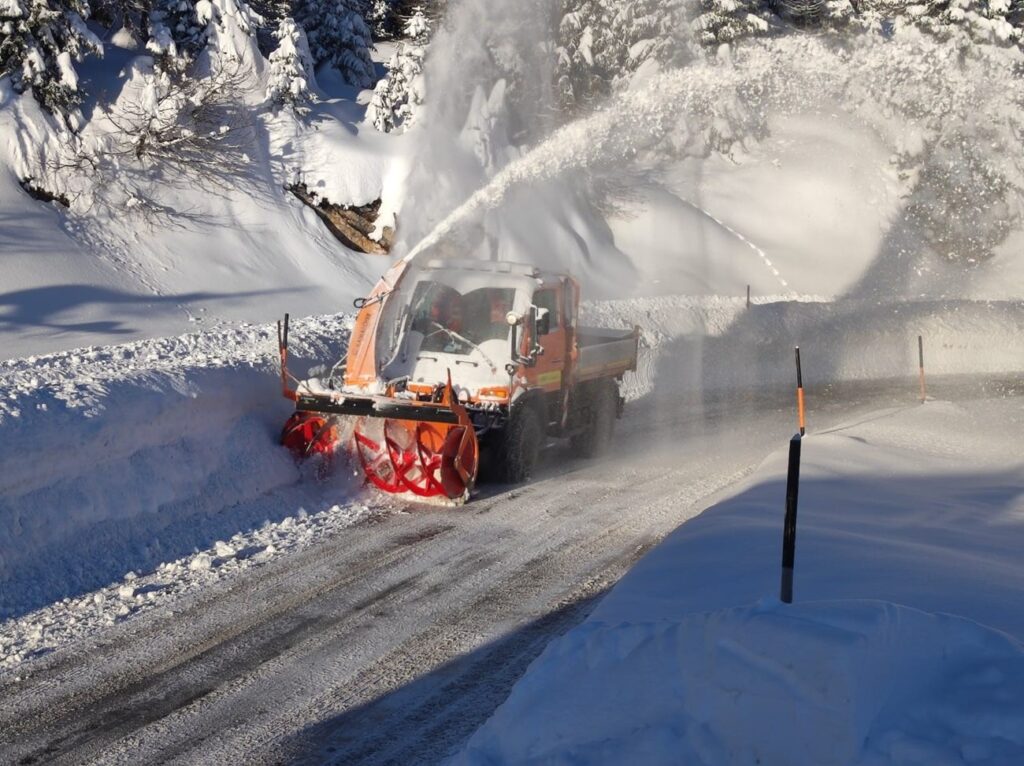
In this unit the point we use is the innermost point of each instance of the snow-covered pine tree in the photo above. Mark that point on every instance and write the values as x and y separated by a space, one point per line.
291 68
398 96
130 15
387 18
40 42
998 22
986 21
724 21
175 33
339 36
1016 14
381 19
602 42
636 31
580 74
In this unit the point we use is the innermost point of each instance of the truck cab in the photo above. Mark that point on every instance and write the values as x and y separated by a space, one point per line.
508 336
499 329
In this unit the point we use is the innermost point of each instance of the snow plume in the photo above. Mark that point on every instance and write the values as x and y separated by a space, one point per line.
486 84
513 176
640 121
493 91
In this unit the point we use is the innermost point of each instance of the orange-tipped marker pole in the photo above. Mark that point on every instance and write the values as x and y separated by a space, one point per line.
800 395
282 346
920 367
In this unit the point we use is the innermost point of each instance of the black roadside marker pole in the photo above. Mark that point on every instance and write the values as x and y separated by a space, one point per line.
800 395
748 296
920 366
282 347
789 529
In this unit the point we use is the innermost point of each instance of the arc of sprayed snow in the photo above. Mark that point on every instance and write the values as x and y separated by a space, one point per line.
636 119
760 252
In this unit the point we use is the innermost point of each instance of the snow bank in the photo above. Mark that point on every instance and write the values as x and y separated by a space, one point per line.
698 343
902 647
822 683
123 457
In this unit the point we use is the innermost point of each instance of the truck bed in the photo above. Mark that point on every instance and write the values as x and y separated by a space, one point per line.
606 353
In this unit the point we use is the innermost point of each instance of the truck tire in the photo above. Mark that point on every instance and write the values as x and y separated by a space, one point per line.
516 454
599 409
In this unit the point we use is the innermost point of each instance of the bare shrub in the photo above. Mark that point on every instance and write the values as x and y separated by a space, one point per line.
184 131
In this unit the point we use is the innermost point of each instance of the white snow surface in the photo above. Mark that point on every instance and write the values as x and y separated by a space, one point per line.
133 473
903 645
707 343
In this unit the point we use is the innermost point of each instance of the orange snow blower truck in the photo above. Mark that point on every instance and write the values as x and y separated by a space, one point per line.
462 368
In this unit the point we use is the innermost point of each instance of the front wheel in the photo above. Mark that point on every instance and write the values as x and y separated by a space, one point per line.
516 454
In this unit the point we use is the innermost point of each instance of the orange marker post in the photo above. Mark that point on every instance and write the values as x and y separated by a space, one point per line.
920 367
282 346
800 395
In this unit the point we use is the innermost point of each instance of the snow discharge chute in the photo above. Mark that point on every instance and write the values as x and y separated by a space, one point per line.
404 444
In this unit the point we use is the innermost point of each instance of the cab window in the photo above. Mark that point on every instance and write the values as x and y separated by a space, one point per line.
548 299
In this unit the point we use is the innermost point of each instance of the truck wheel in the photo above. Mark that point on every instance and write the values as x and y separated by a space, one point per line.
600 409
517 453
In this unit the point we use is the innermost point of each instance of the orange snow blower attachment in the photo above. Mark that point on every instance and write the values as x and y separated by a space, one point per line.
427 448
430 458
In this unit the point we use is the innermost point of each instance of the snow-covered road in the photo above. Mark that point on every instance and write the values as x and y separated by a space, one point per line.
392 640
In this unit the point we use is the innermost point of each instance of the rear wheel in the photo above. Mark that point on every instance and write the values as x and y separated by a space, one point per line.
598 409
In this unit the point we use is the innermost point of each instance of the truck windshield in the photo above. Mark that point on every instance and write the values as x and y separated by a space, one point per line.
454 323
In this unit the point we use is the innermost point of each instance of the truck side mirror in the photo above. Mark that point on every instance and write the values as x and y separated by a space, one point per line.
538 322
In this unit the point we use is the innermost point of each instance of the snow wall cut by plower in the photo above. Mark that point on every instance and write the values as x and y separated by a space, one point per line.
119 458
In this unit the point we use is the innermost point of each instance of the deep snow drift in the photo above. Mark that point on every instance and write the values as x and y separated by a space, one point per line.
122 458
903 646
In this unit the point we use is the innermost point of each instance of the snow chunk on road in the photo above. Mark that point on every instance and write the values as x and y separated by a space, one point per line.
201 562
224 551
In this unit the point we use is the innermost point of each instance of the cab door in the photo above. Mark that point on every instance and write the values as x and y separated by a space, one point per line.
549 373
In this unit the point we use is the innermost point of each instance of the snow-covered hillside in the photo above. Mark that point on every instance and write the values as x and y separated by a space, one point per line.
850 163
199 250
